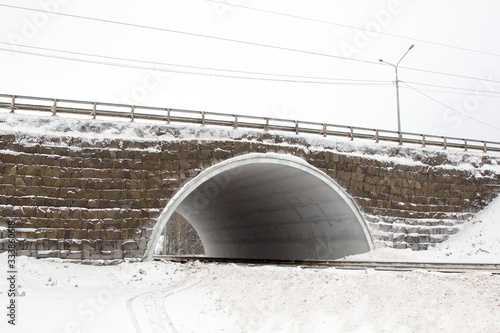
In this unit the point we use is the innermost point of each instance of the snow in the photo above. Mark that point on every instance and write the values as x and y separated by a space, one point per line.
58 296
161 297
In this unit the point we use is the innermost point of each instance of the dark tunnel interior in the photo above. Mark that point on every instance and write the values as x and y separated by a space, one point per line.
274 209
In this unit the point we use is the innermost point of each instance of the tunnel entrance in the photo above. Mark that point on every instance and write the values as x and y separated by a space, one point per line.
268 206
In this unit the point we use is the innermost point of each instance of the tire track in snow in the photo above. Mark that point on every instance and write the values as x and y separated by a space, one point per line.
154 303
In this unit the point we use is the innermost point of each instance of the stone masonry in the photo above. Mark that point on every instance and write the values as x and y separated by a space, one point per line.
90 199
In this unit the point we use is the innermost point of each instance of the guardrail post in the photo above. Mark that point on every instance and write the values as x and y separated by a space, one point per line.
351 133
465 144
323 130
266 128
168 116
376 136
445 145
13 104
202 118
94 109
423 140
53 108
235 123
296 127
132 110
485 149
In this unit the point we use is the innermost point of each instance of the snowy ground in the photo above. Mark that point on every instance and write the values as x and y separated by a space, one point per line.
57 296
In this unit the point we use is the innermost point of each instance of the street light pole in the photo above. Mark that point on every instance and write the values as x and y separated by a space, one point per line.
397 91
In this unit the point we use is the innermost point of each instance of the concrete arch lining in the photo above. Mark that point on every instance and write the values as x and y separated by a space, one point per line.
268 206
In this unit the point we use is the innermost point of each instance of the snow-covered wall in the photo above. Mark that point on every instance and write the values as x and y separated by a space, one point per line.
85 189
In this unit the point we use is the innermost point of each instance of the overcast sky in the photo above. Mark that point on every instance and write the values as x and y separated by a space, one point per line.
456 37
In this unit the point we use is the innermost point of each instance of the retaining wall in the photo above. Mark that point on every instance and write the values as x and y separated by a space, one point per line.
99 198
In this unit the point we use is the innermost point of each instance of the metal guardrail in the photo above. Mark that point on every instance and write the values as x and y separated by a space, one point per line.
93 110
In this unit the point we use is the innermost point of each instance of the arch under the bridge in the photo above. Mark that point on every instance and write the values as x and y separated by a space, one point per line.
268 206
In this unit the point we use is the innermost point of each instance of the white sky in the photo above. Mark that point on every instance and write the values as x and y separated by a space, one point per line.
465 24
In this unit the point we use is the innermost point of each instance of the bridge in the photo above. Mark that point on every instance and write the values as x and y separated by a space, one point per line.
99 189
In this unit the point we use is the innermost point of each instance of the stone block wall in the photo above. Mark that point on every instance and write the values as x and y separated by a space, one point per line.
79 199
90 199
412 206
